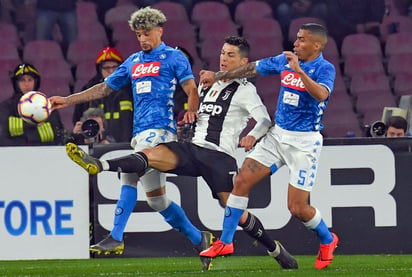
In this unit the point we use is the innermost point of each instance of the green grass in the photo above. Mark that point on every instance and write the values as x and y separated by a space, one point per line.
343 265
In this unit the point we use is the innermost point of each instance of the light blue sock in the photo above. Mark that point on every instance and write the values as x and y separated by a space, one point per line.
230 222
323 233
176 217
124 208
317 225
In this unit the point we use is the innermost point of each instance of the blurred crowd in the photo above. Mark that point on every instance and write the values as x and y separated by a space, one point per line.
60 21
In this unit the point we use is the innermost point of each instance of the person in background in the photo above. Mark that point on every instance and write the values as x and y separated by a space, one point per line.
352 16
286 11
63 13
188 4
102 137
103 6
16 132
6 8
307 81
396 127
118 107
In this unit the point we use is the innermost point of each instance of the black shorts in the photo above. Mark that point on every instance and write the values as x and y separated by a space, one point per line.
217 168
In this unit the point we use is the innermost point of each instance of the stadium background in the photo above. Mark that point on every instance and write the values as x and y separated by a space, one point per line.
369 66
384 81
362 190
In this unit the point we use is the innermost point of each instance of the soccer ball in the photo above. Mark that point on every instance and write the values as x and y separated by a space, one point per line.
34 107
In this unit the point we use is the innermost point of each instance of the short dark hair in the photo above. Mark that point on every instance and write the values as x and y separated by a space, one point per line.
241 43
315 28
397 122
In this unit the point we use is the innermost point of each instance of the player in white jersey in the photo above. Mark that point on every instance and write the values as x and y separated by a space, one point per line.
224 111
295 141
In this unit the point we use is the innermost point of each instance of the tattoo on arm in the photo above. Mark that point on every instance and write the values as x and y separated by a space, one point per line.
187 85
98 91
245 71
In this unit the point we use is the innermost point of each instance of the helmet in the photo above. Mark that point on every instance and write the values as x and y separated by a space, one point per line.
25 69
109 54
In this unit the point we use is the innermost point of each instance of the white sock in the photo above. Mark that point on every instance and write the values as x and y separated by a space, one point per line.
275 252
105 164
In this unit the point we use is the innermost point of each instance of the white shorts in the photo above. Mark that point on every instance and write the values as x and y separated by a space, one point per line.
299 151
153 179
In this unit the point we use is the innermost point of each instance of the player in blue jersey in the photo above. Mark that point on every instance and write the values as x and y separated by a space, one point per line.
153 74
295 141
224 111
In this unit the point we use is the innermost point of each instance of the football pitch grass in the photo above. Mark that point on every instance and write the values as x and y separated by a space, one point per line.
250 266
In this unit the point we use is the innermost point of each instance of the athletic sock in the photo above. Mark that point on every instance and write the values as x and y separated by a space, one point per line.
323 233
133 163
124 208
176 217
317 225
254 228
230 222
235 206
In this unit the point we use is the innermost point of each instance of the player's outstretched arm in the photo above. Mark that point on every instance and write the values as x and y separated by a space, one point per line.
207 78
57 102
189 87
98 91
244 71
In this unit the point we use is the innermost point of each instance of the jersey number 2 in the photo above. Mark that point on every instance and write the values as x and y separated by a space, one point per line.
150 137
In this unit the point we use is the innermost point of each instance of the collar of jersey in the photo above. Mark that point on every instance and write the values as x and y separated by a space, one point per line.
320 57
158 49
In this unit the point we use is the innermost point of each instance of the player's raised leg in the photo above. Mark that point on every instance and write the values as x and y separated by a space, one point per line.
133 163
87 162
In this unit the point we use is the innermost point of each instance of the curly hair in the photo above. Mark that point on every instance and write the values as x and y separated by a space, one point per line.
146 18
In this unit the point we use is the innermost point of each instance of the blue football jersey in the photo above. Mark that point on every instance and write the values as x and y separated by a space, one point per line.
153 77
296 109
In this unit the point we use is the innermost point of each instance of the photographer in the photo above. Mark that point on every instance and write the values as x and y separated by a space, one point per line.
78 134
396 127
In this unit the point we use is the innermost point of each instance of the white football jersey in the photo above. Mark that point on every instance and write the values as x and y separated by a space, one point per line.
224 110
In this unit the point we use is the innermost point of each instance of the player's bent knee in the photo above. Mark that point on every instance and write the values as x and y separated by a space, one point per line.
298 211
241 186
158 203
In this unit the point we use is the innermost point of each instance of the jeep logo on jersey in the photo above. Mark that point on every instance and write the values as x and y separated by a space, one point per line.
211 109
145 69
292 80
